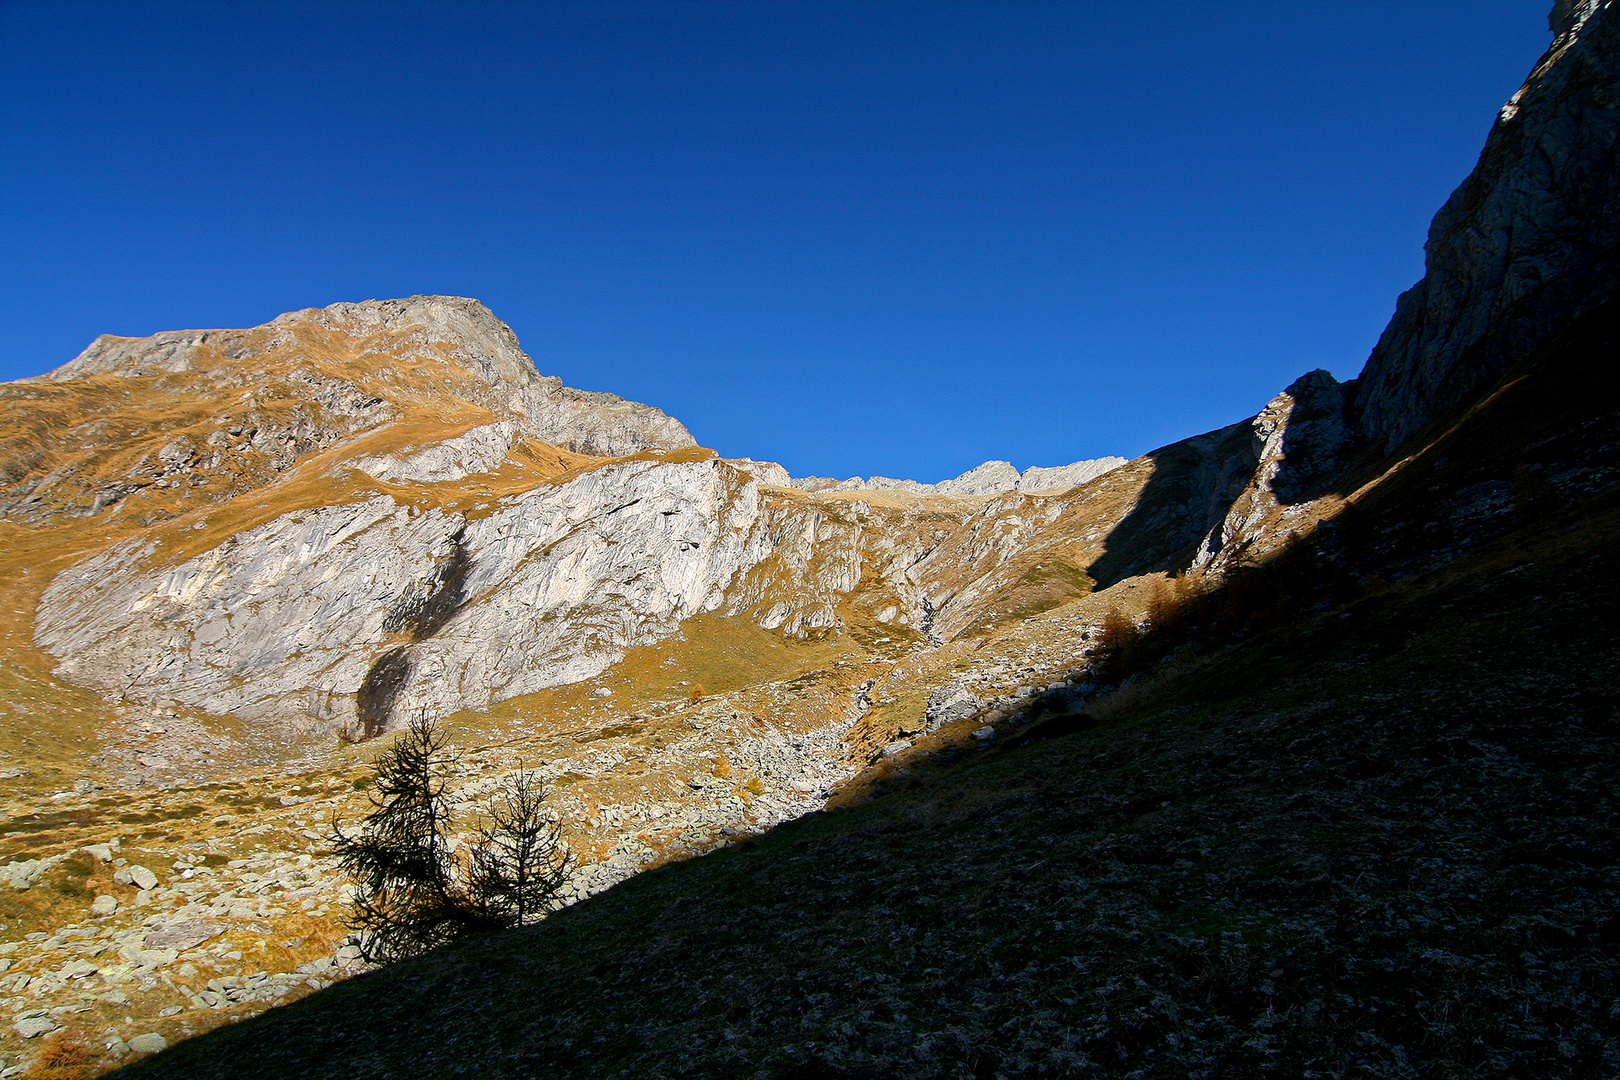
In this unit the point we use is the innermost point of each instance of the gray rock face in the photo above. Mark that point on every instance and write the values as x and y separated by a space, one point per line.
170 351
818 484
1529 242
350 614
478 450
353 616
1303 436
990 478
606 425
1037 478
950 703
889 483
766 472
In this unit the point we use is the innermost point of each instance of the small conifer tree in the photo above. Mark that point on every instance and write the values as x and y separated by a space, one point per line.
412 891
519 866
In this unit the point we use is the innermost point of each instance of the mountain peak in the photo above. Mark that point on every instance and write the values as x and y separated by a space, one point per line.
479 340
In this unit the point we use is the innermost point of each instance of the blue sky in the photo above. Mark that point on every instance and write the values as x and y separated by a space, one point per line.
875 237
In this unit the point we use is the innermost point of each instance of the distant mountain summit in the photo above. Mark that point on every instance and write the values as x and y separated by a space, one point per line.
991 478
451 330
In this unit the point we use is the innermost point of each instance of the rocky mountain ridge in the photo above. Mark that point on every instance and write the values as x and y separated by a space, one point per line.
393 487
990 478
450 329
256 540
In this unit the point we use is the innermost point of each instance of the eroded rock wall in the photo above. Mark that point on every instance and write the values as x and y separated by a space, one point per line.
1527 244
294 617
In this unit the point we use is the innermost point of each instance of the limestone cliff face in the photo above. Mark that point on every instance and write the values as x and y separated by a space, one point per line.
1530 241
990 478
356 614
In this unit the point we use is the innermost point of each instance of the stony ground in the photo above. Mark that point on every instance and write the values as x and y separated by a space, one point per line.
1397 861
178 884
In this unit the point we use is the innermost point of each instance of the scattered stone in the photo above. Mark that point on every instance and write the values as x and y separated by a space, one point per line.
32 1025
149 1043
950 703
136 875
22 875
181 936
77 969
104 905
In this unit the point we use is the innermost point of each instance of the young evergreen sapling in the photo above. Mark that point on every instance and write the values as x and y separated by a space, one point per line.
412 891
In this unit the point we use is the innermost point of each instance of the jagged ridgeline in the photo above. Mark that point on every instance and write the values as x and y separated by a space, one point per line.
354 513
1353 813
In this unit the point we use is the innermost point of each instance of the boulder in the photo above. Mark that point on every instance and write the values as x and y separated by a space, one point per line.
149 1043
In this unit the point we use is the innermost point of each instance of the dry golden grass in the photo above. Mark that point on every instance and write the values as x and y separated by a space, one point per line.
65 1057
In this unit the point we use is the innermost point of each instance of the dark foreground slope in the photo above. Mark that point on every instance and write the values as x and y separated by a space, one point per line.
1382 842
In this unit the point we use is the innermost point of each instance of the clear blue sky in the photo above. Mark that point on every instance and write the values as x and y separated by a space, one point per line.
866 237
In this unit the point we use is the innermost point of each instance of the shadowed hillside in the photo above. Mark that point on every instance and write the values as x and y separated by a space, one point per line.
1378 841
1393 861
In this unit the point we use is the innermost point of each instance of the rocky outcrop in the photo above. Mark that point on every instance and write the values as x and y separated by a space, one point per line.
478 450
987 479
604 425
358 613
1299 443
766 472
1527 244
1037 478
990 478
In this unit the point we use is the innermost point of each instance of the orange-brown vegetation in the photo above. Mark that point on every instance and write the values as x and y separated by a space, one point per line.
65 1057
